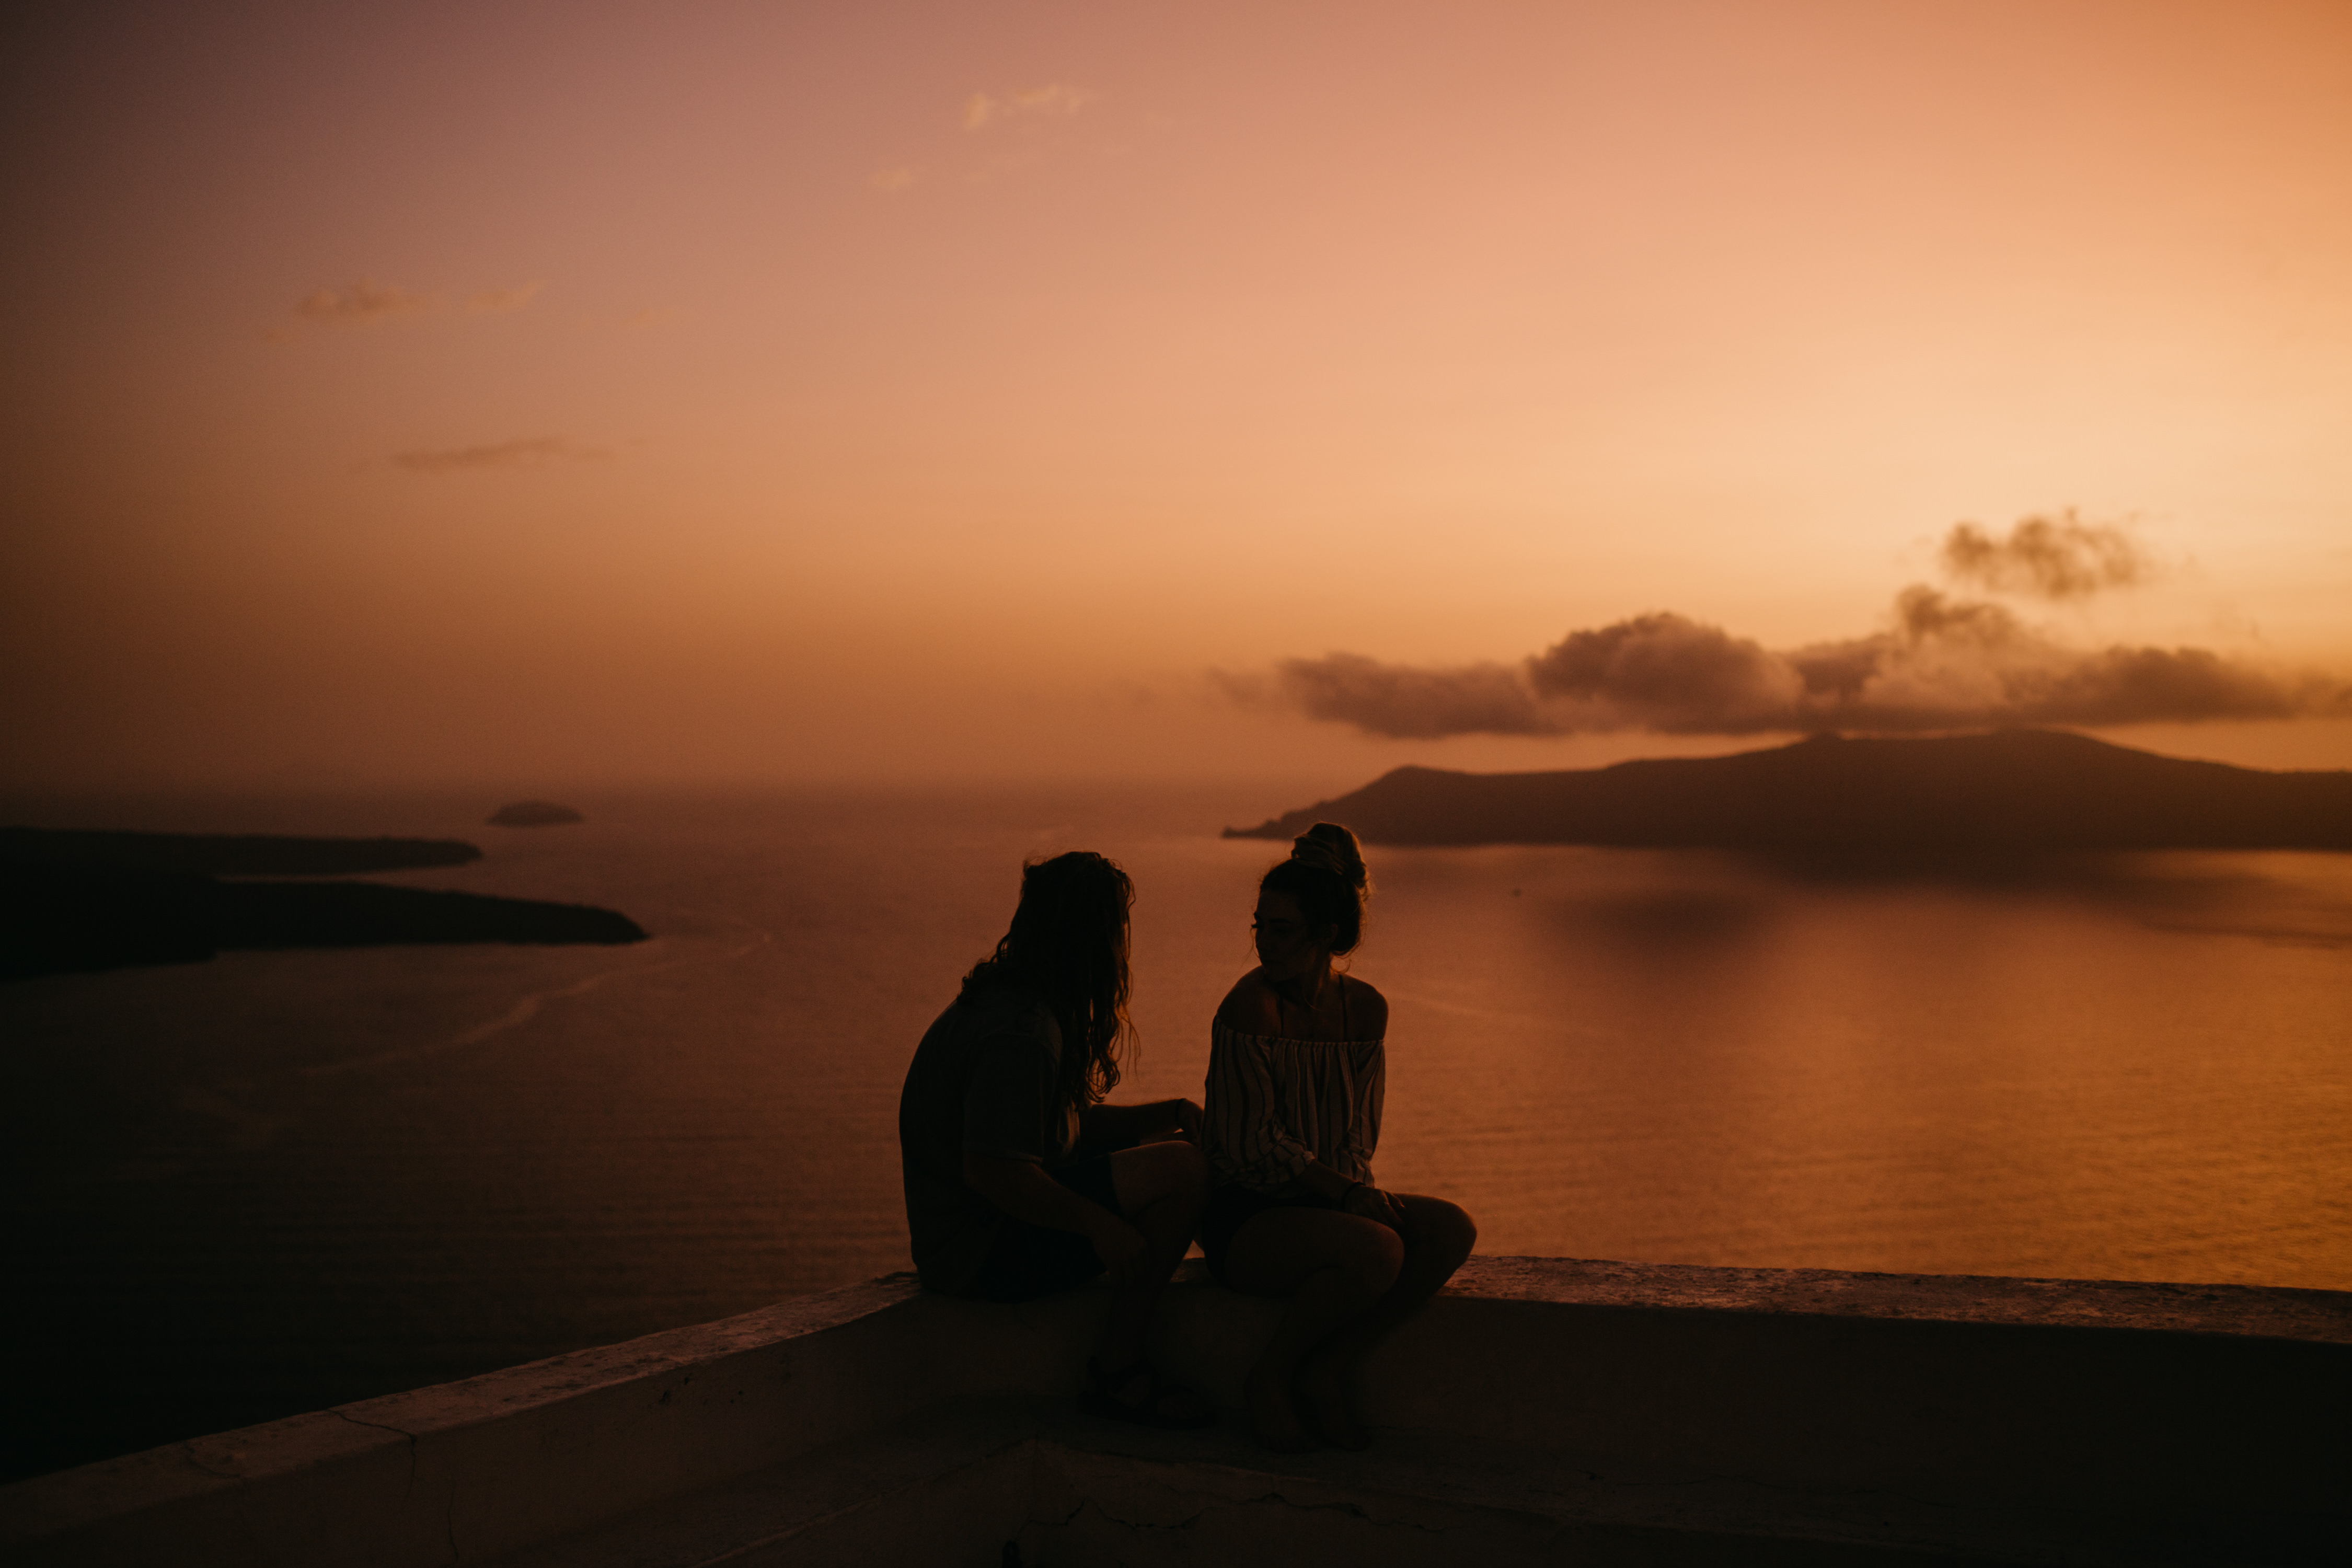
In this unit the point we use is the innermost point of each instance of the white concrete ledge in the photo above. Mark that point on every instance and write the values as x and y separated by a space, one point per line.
2215 1411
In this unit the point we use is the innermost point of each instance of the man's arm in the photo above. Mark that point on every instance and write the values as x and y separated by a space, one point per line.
1022 1189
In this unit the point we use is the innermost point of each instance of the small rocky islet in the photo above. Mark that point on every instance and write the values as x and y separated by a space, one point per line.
533 813
77 901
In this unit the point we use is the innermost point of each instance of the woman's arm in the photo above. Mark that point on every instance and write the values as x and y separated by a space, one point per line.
1022 1189
1359 1198
1123 1126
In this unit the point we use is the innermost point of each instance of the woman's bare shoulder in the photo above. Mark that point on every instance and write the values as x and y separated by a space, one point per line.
1250 1008
1368 1010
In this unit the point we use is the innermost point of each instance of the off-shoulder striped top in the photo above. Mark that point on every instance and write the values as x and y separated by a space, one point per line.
1272 1105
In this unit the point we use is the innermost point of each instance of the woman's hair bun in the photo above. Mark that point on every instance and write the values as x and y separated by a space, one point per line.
1331 847
1326 874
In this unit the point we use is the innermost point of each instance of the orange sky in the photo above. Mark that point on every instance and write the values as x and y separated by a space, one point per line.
598 392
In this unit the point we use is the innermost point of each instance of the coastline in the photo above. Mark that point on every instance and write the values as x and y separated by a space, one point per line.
77 901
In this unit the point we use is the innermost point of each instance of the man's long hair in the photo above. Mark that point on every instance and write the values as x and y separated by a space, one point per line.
1068 943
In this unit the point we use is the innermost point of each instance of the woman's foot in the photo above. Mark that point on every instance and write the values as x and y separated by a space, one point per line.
1327 1385
1273 1416
1139 1393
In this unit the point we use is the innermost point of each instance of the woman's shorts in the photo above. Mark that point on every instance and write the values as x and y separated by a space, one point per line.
1025 1261
1231 1207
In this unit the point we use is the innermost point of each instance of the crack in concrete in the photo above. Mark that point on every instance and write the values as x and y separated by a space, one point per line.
449 1500
1349 1509
1352 1510
1829 1491
188 1451
410 1437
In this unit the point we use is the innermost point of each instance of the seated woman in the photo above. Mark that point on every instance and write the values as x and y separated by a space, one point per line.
1297 1071
1004 1098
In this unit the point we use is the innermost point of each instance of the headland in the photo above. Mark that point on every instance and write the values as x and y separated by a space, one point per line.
74 902
2007 792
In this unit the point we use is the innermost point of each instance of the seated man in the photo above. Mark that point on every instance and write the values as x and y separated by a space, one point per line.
1019 1180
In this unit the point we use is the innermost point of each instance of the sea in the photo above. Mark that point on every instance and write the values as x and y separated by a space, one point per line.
280 1181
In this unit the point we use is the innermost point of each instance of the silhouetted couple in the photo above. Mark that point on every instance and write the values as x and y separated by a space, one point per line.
1021 1181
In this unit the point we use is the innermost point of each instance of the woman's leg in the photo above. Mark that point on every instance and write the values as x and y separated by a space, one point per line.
1161 1188
1437 1236
1334 1267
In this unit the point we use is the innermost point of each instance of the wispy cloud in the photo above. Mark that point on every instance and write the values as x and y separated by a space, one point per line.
982 110
1939 663
364 303
2060 557
528 453
498 301
892 180
368 302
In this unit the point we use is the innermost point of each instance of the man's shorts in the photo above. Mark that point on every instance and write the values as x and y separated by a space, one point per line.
1026 1261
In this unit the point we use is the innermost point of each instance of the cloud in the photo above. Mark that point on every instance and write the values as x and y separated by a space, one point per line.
1945 664
892 180
367 302
981 111
2050 558
364 303
530 453
1408 701
1939 663
501 300
1664 672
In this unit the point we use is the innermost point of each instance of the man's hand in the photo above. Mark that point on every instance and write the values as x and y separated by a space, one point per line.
1186 1116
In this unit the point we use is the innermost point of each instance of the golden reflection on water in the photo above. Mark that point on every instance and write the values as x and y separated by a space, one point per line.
2139 1068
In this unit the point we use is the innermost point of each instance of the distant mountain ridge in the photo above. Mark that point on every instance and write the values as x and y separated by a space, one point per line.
2008 790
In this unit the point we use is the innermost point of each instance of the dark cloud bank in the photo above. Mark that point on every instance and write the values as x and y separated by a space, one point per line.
1943 663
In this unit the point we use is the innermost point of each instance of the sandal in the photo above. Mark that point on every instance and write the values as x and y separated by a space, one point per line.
1166 1404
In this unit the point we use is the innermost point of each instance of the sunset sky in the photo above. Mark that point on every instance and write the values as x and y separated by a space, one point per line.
614 393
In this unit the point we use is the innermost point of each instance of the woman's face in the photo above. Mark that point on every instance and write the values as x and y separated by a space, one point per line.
1286 945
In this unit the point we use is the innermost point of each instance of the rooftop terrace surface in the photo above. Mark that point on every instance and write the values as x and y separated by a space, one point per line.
1541 1411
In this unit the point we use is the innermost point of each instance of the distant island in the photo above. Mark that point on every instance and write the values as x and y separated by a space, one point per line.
533 813
2009 791
227 854
81 901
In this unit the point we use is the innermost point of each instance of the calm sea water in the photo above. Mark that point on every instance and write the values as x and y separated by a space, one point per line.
280 1181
